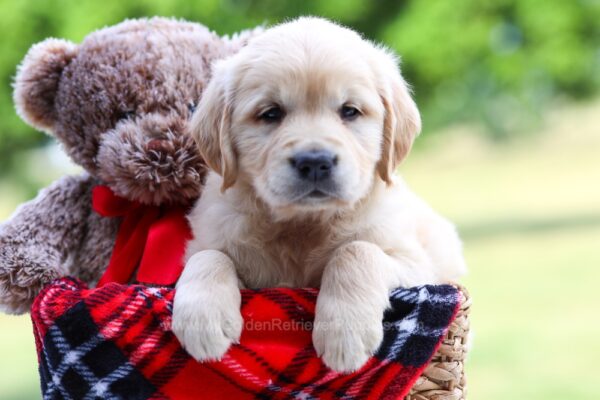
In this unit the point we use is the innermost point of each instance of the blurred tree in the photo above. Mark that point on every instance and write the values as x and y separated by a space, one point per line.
491 61
498 61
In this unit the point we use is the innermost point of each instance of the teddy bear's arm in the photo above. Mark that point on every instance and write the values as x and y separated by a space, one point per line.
44 238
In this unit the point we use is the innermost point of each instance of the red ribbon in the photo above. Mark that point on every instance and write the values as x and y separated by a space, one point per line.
151 239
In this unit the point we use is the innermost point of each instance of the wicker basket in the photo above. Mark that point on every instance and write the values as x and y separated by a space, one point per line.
444 378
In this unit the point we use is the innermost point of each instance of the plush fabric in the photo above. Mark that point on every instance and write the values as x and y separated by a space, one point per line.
52 236
114 342
119 104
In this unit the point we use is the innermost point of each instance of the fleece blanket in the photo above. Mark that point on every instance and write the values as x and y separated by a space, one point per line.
114 342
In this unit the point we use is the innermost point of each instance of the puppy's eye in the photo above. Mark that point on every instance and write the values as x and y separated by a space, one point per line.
272 114
348 112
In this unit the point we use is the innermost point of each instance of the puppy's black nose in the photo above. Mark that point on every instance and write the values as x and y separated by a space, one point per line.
314 165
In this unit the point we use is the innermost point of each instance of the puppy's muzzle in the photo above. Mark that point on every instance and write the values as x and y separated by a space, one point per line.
314 166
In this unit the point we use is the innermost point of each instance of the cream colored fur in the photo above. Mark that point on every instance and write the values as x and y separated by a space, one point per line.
252 228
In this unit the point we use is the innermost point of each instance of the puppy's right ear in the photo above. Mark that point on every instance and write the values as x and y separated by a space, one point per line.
37 80
211 124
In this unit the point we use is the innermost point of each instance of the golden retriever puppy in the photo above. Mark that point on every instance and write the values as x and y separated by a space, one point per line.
303 130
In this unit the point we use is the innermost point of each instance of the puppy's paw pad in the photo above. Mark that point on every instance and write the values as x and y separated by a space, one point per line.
343 357
206 331
345 346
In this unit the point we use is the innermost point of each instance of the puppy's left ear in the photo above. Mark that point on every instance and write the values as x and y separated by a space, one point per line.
211 124
402 121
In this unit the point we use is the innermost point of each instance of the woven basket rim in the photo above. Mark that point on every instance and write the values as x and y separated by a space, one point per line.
444 378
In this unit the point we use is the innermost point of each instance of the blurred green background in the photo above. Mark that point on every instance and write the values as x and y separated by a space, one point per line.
510 152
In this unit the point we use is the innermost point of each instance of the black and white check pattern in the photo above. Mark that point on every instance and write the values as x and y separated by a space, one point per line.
79 363
418 317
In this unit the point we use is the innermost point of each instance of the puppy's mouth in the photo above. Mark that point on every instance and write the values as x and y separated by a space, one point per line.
308 195
314 195
317 194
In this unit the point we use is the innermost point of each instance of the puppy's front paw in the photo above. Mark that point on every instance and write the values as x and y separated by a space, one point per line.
206 323
345 336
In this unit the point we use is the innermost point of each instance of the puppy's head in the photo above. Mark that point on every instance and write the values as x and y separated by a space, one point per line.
308 115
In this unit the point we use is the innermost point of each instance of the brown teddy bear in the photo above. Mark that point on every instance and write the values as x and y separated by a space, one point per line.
118 103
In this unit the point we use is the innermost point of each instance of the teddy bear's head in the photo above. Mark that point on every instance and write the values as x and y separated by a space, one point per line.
120 101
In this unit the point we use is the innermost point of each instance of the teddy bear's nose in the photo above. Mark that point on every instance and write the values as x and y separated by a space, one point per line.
158 145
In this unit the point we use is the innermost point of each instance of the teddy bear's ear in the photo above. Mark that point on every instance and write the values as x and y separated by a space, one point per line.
36 83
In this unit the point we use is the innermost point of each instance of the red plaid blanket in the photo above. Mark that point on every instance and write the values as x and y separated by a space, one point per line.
115 342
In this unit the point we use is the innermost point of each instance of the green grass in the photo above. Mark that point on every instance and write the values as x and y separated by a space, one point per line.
530 215
18 362
529 212
535 315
